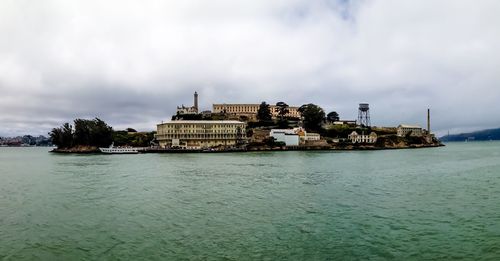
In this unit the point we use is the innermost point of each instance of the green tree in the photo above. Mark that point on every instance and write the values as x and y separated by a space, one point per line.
134 139
86 132
101 134
282 110
332 116
121 138
82 132
62 137
312 116
264 112
55 136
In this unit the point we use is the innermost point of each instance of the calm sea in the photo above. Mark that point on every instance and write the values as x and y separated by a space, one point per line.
422 204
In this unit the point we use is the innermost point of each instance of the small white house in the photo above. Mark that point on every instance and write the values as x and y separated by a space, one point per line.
354 137
414 131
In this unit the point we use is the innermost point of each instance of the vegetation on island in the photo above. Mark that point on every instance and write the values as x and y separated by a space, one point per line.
313 116
133 138
332 117
334 133
341 130
86 133
282 110
264 112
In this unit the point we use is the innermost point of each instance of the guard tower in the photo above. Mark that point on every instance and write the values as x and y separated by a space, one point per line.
364 114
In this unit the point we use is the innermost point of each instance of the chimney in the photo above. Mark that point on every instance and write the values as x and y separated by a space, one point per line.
196 101
429 120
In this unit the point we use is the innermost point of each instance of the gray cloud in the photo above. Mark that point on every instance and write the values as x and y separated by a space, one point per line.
131 63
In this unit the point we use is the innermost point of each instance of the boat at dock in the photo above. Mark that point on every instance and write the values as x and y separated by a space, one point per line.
119 150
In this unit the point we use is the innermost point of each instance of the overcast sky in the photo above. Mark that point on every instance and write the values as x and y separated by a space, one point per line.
132 62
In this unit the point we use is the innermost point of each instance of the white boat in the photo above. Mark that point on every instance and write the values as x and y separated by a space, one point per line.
119 150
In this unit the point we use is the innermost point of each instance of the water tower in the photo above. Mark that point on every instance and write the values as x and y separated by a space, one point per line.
364 114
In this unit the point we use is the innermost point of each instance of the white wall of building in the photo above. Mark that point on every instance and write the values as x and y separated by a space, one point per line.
289 138
414 131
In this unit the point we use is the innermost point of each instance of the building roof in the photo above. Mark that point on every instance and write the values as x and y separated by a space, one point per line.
409 126
201 122
355 133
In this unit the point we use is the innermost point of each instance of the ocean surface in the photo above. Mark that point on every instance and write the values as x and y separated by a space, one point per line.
420 204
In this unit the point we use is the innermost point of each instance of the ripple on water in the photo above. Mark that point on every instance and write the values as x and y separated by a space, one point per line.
269 206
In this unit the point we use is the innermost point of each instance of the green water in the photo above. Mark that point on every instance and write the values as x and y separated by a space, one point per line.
423 204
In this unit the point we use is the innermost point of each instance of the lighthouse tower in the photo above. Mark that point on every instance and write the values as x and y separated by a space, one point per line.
195 102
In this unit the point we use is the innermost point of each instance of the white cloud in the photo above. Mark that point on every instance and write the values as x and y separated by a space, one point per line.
131 62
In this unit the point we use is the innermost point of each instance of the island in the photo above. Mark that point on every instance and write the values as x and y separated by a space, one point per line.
246 127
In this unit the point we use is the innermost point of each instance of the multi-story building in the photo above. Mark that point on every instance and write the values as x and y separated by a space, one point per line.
250 110
414 131
200 134
354 137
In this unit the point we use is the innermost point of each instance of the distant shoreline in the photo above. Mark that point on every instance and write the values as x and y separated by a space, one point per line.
25 146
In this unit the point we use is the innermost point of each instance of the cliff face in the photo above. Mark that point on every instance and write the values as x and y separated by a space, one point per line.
395 142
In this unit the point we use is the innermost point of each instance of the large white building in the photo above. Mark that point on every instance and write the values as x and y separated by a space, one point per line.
200 134
412 130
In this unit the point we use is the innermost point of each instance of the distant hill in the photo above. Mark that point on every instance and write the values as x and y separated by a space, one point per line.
25 140
492 134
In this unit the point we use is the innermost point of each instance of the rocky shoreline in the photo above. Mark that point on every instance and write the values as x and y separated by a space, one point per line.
343 147
77 150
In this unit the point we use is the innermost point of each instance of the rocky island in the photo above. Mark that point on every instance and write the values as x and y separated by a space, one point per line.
247 127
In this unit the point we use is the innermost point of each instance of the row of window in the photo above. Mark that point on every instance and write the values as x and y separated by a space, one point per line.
196 136
204 126
252 109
